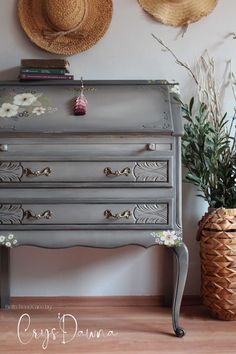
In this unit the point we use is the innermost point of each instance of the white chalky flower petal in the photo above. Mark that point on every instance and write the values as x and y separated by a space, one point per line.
2 238
8 110
24 99
39 110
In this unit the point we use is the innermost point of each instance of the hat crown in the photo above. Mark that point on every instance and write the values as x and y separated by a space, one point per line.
65 15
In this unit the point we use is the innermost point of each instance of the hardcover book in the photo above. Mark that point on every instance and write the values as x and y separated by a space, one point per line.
46 63
28 76
27 70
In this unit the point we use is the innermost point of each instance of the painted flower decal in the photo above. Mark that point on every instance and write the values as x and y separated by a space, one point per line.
174 89
8 110
8 241
39 110
24 104
167 238
24 99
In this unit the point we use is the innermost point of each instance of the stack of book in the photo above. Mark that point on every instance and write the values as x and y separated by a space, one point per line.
44 69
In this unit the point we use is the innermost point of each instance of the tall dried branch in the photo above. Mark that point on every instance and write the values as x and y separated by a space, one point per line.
209 91
179 62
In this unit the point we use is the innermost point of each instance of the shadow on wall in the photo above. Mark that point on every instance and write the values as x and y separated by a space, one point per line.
193 210
10 74
74 272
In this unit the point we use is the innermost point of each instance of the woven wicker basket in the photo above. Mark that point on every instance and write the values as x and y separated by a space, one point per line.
217 234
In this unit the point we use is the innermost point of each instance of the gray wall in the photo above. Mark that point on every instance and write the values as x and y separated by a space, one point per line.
126 52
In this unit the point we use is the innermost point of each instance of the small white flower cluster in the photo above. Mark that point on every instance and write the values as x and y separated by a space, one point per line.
8 241
174 89
167 238
39 110
8 110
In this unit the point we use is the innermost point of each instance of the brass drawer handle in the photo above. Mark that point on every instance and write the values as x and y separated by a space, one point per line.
47 214
125 172
124 215
44 172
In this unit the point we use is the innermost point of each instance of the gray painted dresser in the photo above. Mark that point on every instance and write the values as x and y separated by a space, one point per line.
107 179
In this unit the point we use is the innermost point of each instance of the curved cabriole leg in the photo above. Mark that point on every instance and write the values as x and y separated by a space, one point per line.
181 253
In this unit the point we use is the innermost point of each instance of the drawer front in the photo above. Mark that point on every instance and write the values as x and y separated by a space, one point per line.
37 150
158 171
159 213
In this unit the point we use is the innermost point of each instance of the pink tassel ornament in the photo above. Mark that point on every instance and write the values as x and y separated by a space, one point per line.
80 107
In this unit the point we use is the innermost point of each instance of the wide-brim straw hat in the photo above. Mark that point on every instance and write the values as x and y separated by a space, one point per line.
178 12
65 26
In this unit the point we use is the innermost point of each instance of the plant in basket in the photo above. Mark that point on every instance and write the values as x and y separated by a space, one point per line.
209 156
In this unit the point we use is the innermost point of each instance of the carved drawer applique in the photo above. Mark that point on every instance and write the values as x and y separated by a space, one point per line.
151 171
11 214
151 213
10 172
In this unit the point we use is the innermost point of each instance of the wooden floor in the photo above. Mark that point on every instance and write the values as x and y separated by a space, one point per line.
136 330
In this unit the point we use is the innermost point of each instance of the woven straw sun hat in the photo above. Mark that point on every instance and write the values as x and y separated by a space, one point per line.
178 12
65 26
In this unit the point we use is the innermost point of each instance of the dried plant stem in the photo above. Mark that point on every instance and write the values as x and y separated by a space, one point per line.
179 62
208 91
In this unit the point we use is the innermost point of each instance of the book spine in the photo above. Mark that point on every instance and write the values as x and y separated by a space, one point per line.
42 71
45 77
45 63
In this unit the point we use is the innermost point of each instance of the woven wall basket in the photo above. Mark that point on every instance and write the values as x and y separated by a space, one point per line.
217 233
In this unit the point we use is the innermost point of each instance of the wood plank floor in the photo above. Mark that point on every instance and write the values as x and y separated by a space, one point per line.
136 330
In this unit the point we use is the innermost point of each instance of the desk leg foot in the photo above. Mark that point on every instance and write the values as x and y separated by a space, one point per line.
181 253
4 277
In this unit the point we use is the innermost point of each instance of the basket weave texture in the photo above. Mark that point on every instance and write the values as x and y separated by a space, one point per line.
217 231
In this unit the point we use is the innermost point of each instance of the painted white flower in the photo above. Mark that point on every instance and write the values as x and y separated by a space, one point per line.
8 244
39 110
24 99
169 238
8 110
14 242
10 236
175 89
2 239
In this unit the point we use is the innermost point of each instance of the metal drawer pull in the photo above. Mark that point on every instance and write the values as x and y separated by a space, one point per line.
3 147
45 172
151 147
124 215
28 214
125 172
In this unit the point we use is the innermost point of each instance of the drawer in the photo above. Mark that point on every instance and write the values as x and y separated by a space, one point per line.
159 172
36 150
159 213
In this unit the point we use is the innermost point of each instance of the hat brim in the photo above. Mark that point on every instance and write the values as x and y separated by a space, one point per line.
178 13
33 20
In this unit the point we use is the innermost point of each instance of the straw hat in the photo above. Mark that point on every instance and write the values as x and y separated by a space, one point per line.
65 26
178 12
